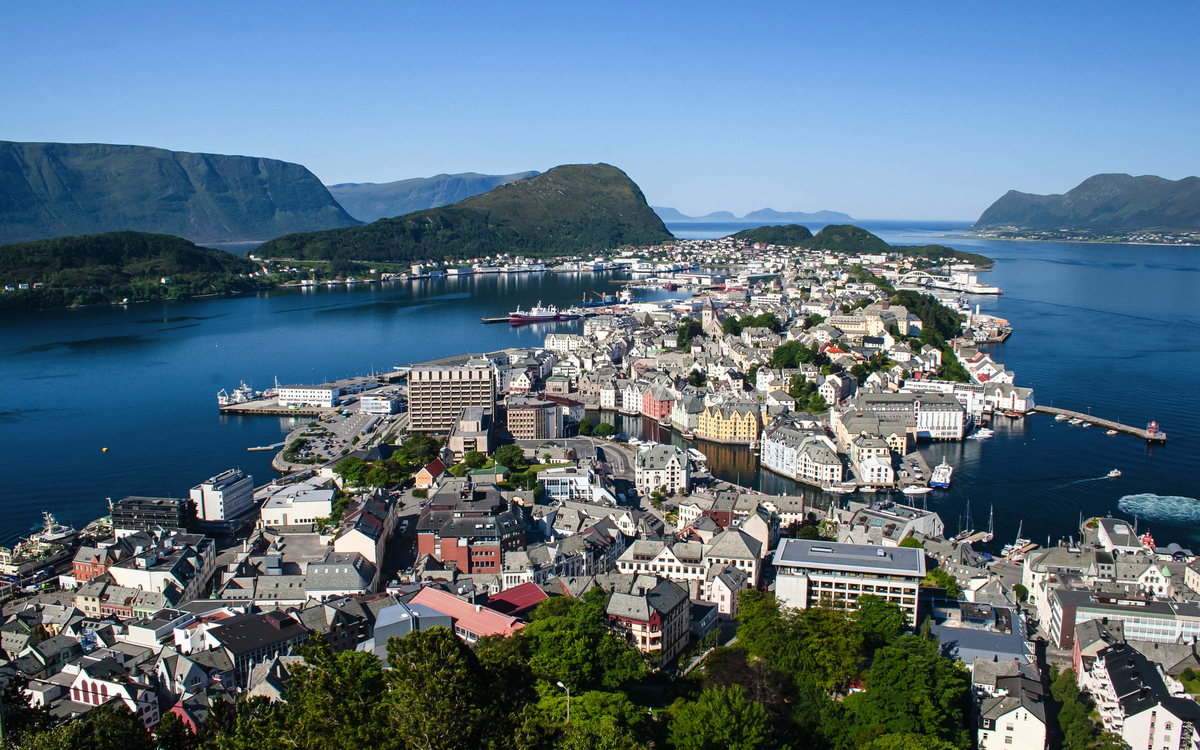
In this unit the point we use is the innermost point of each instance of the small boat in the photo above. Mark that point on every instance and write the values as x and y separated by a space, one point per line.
1110 433
1086 424
1061 417
696 455
1113 474
866 488
1017 546
1075 421
941 475
838 489
915 490
688 435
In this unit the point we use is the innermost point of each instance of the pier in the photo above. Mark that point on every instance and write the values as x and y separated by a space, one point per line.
1108 424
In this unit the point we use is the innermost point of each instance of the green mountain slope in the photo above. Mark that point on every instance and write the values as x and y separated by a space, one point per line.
1105 202
369 201
576 208
107 267
61 189
791 235
852 240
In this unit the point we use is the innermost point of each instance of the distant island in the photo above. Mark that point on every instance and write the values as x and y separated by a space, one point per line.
62 189
1105 208
761 215
111 267
370 201
571 209
852 240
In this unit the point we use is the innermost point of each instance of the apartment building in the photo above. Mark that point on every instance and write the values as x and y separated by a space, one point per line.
439 390
534 419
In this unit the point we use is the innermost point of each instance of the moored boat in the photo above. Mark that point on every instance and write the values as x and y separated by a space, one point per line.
941 475
536 313
915 490
1061 417
838 489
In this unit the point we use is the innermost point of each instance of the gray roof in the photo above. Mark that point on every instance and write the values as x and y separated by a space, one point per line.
663 598
811 554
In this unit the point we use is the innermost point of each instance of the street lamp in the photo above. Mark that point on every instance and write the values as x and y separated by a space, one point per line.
564 687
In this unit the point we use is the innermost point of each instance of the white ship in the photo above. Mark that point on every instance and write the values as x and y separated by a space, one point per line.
240 395
941 475
535 314
915 490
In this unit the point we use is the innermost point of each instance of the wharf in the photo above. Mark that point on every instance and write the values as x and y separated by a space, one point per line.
1108 424
488 321
271 408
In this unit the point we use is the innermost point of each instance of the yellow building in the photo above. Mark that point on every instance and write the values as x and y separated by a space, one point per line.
737 422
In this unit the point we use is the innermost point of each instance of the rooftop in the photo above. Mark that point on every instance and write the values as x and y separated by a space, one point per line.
808 554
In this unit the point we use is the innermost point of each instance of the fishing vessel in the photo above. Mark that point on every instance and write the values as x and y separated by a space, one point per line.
572 313
941 475
915 490
242 394
1113 474
53 532
536 313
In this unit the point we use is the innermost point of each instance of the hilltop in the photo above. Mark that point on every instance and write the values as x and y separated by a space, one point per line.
95 268
1103 203
571 209
852 240
60 189
370 201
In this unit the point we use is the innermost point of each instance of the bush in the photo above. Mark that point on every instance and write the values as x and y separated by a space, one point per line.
909 541
1189 674
421 494
1021 592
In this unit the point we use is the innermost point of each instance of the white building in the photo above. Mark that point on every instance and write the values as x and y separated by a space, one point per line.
807 457
323 396
1016 719
296 504
379 403
811 573
224 498
1134 701
662 466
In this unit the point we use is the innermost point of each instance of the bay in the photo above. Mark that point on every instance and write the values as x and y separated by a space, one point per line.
1110 327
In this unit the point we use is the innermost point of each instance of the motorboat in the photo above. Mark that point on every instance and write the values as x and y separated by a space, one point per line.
1061 417
1075 421
1110 433
916 490
688 435
1113 474
1086 424
866 488
838 489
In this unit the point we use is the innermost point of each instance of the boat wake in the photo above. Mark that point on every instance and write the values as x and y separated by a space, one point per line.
1081 481
1169 509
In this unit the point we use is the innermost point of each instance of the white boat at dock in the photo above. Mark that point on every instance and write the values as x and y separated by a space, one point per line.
838 489
916 490
697 456
1061 417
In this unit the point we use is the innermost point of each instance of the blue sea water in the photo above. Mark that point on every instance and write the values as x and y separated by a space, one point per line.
1113 328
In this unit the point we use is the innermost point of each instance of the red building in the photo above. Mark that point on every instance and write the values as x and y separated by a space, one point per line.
470 526
657 403
93 562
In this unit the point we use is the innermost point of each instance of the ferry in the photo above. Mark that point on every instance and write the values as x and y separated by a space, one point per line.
941 475
535 314
1061 417
1113 474
915 490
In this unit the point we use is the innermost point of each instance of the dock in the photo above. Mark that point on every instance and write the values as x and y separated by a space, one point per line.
271 408
488 321
1108 424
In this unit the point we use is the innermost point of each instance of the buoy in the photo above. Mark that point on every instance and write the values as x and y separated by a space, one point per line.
104 450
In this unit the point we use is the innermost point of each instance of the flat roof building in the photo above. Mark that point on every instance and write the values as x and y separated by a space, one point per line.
813 572
439 390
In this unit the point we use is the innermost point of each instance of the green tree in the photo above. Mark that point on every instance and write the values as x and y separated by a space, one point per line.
437 691
696 379
910 541
912 689
354 683
511 456
586 427
112 726
352 470
474 459
731 326
720 719
571 642
1020 592
908 742
806 531
420 449
882 622
688 330
605 430
172 734
938 578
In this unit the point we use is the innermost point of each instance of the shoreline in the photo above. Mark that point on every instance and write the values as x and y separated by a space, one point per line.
1081 242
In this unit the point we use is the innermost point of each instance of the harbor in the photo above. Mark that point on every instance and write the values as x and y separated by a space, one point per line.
1150 434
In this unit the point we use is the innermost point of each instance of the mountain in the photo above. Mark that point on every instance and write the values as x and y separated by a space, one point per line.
1103 203
852 240
792 235
763 215
817 217
671 214
59 189
571 209
369 201
96 268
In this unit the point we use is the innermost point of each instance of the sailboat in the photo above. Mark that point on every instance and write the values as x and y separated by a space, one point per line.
990 532
1010 549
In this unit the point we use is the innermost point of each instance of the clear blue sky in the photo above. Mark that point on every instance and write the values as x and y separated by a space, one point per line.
881 110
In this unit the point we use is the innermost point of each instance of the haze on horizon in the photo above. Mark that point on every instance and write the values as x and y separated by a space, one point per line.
886 111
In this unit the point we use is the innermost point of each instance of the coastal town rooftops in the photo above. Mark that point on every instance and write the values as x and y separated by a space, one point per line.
808 554
477 619
1138 685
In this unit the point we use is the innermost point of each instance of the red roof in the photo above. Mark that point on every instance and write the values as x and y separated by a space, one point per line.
518 600
475 618
435 467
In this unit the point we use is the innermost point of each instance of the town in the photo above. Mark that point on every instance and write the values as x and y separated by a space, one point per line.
467 491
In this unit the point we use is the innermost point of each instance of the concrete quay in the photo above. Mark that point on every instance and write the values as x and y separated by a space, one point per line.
1108 424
